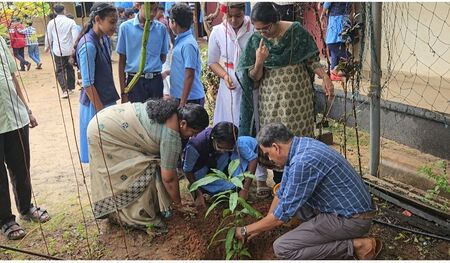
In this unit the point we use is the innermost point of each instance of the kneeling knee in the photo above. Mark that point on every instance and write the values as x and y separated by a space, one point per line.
280 249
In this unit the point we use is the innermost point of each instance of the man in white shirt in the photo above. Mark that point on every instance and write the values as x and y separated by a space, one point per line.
60 38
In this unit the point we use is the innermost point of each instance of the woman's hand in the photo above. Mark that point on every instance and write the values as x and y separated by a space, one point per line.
229 82
262 52
185 208
328 86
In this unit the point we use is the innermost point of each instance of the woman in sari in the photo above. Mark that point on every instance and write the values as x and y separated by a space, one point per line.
280 61
134 150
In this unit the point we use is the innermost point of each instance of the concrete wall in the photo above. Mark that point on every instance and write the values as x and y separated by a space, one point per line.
418 128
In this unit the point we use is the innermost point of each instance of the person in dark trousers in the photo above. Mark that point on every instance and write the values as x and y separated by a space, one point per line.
150 83
185 84
338 14
15 120
60 38
18 44
321 188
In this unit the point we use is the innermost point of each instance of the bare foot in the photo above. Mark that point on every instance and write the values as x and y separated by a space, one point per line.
364 248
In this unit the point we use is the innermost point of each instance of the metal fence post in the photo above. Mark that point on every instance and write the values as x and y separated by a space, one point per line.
375 87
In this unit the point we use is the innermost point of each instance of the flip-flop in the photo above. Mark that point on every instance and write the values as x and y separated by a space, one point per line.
11 227
42 215
263 192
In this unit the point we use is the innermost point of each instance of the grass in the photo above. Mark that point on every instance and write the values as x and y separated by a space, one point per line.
65 234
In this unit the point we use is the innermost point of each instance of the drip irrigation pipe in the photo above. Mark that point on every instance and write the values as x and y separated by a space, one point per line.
411 230
29 252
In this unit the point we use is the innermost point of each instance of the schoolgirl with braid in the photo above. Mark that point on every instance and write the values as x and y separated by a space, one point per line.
92 55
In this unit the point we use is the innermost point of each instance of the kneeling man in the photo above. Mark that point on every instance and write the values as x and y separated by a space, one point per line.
322 189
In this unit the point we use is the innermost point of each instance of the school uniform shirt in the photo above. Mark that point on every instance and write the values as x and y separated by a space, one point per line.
129 44
13 113
186 55
248 152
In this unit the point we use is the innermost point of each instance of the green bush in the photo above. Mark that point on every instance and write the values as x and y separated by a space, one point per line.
210 83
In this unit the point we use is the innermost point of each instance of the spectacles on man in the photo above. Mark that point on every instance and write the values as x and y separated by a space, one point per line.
264 29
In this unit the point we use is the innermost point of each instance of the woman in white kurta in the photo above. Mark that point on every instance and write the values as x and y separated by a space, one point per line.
226 43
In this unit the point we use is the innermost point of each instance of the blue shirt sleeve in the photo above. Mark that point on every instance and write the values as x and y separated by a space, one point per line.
190 56
302 179
86 55
190 158
165 44
247 148
326 5
121 41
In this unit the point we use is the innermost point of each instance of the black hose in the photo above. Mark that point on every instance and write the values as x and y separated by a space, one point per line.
411 230
29 252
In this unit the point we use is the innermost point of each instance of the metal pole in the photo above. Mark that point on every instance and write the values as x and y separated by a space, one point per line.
375 87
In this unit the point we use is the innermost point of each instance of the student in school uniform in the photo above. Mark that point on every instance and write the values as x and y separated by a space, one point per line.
93 57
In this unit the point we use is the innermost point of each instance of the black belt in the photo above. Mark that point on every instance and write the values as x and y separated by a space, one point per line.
148 75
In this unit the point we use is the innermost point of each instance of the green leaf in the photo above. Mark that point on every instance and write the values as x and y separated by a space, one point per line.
252 211
204 181
232 167
224 193
244 252
233 201
237 182
219 173
216 234
229 239
226 212
250 175
229 254
213 206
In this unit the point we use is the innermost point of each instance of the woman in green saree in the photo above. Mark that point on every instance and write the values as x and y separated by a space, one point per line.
279 63
134 149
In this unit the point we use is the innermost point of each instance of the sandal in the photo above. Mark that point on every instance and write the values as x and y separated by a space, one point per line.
12 227
263 192
36 214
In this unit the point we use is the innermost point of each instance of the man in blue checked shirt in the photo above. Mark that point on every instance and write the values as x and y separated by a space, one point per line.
324 191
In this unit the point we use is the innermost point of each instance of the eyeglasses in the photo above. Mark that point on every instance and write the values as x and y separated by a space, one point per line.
264 29
220 149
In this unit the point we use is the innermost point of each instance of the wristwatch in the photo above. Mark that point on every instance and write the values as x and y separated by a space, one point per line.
244 232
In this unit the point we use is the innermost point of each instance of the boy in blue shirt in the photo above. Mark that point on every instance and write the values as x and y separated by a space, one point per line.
150 83
185 84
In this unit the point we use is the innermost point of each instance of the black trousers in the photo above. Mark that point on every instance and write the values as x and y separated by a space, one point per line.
14 156
65 73
19 53
146 89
